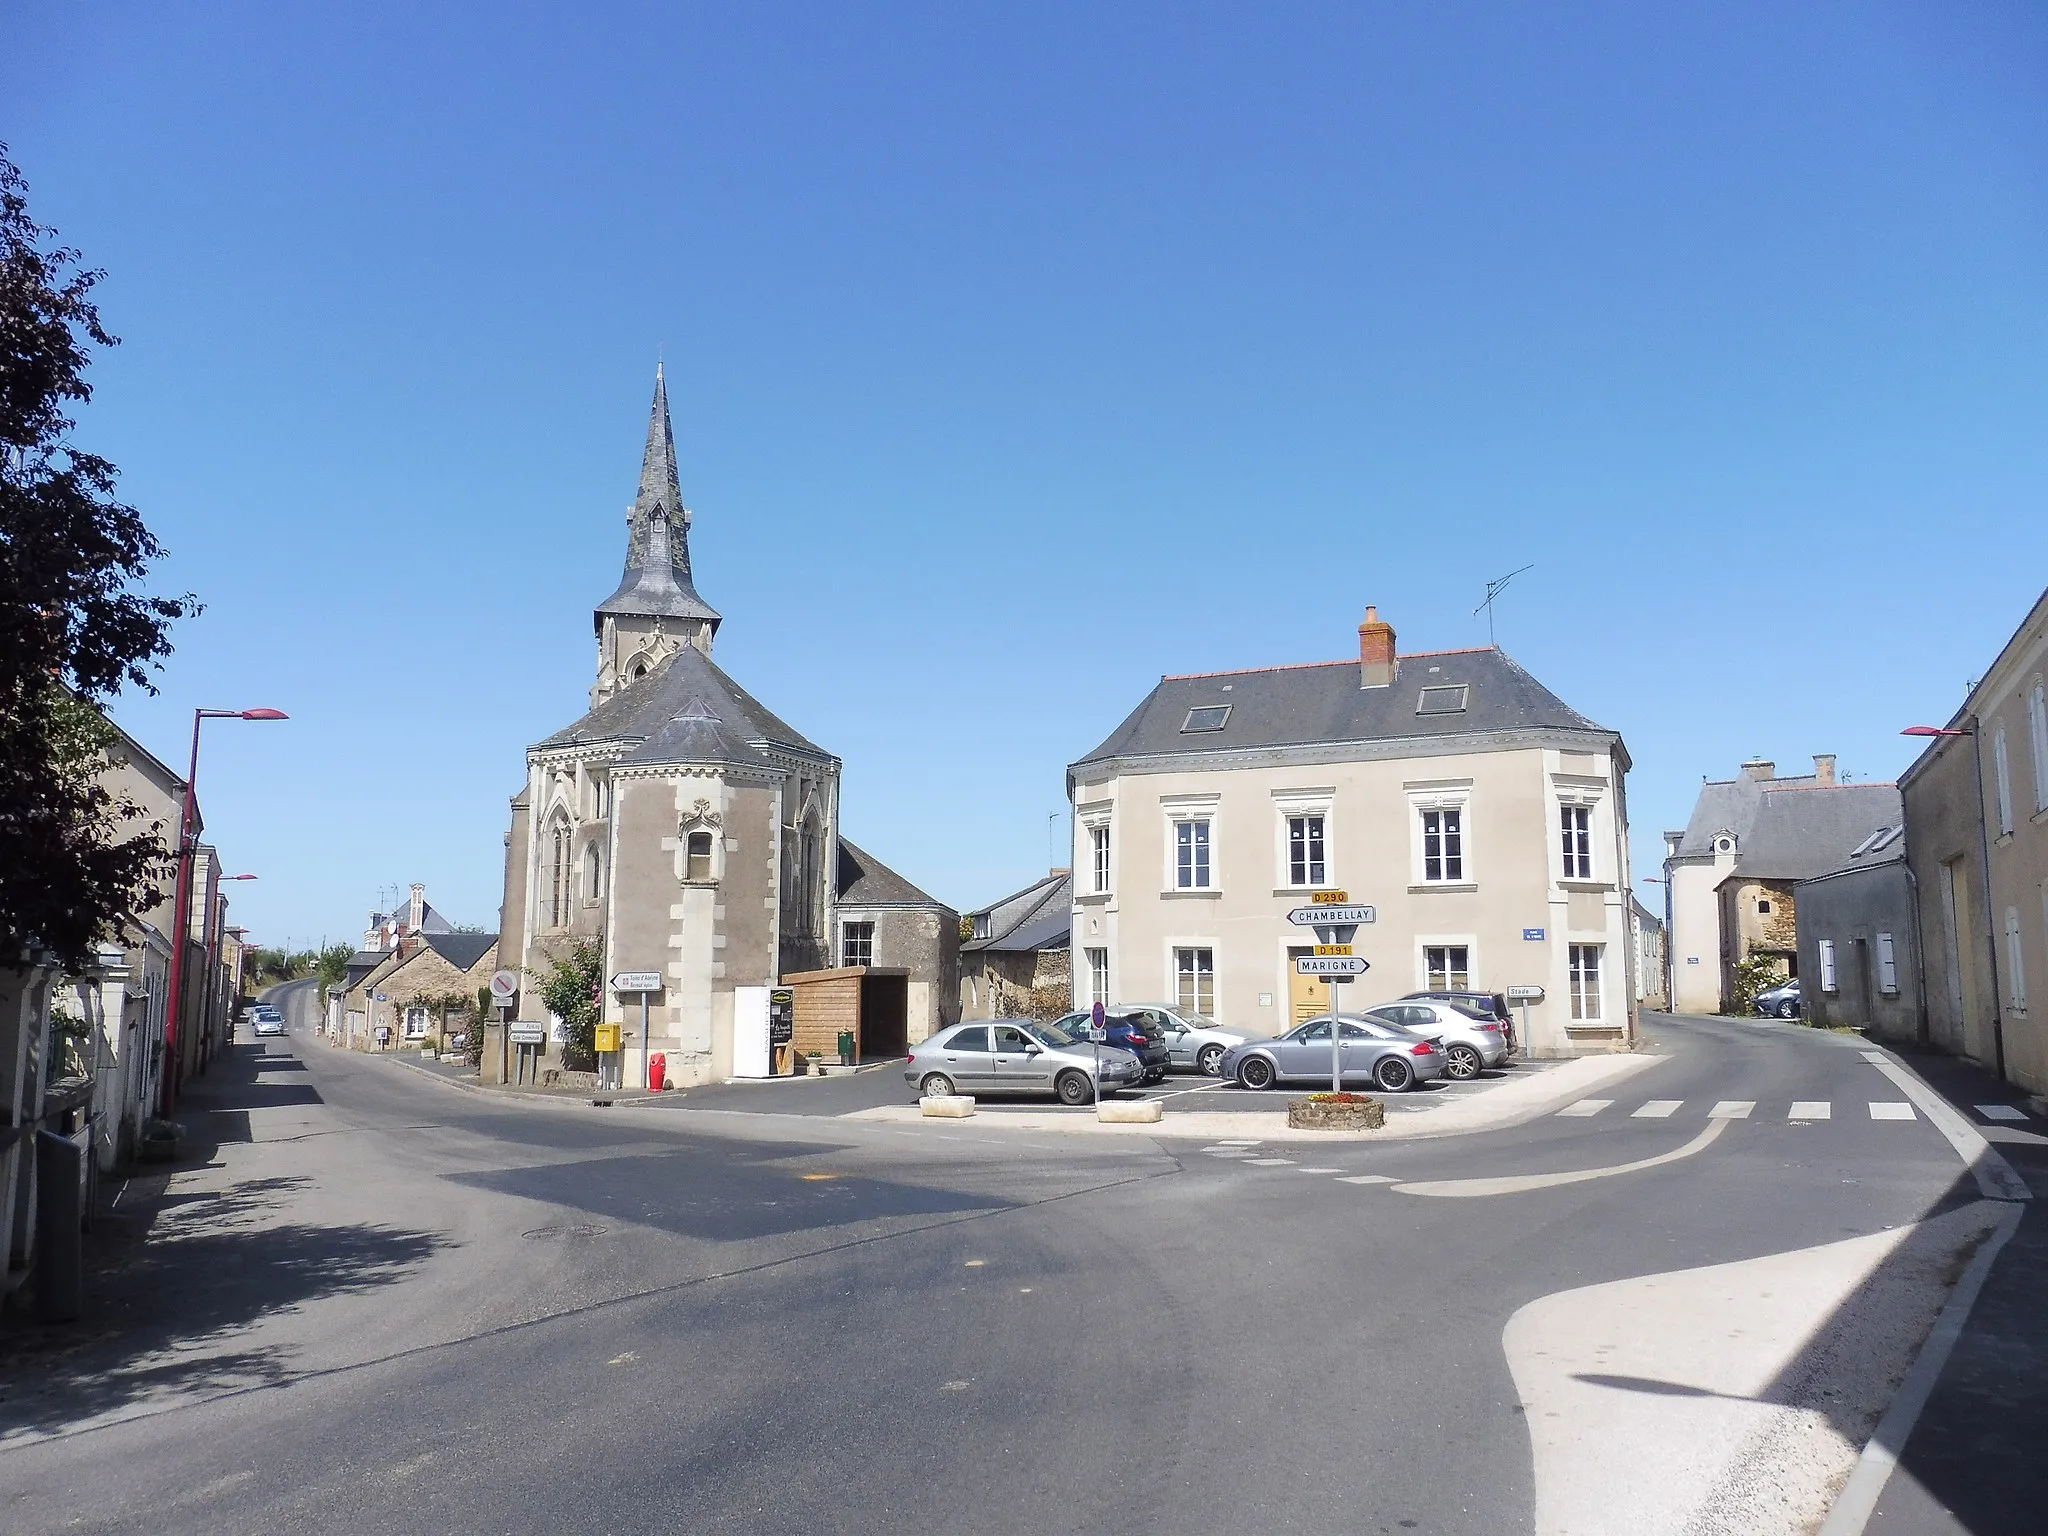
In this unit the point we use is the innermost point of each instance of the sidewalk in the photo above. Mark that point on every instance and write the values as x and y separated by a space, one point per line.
1973 1464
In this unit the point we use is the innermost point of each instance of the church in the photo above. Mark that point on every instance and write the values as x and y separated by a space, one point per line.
692 833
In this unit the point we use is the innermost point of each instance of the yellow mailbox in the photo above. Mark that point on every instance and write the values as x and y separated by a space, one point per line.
607 1038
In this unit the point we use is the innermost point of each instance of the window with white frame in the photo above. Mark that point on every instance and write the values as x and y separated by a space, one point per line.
1443 845
2037 735
2001 768
1306 864
1575 829
1194 978
1447 967
415 1023
1191 854
1829 981
856 943
2015 962
1098 856
1098 976
1887 966
1583 974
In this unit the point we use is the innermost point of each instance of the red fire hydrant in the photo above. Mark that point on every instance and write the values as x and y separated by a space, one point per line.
657 1072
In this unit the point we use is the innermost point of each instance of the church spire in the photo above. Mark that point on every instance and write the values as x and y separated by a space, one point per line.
659 487
656 605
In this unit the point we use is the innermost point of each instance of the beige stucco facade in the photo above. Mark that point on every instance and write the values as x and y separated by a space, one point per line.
1977 845
1513 913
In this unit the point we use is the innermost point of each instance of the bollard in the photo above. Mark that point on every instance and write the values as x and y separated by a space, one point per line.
657 1072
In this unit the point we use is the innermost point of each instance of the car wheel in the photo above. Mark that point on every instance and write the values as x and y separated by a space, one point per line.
935 1085
1462 1062
1073 1088
1255 1073
1392 1074
1788 1010
1208 1059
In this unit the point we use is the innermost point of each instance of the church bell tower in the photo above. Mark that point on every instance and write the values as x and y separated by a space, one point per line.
656 609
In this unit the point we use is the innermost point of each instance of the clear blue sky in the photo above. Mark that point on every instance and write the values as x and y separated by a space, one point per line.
1021 354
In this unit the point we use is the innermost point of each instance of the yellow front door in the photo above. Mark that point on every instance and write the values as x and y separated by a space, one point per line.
1307 996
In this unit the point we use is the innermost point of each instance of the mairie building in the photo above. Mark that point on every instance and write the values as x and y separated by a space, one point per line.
1483 818
693 833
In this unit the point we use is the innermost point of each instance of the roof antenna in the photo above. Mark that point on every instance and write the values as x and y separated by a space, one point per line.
1494 589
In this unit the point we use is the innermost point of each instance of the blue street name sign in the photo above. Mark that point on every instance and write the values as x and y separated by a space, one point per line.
1534 934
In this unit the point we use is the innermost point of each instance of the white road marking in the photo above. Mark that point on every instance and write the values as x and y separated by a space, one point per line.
1996 1178
1883 1110
1732 1109
1689 1369
1227 1142
1657 1109
2000 1112
1319 1170
1517 1184
1811 1109
1269 1162
1366 1178
1585 1107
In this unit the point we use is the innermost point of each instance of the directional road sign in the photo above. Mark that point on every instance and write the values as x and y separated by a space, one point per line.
637 981
528 1034
1333 949
1316 917
1330 965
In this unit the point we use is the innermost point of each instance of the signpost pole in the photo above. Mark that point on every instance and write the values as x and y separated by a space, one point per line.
504 1042
1336 1039
1096 1022
646 1080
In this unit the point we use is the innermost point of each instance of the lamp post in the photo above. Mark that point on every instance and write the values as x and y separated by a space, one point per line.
1969 729
181 902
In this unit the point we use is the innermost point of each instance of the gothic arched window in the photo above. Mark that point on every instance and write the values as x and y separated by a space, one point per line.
593 872
561 871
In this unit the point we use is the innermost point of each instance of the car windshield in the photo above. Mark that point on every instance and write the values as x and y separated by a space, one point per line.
1199 1021
1054 1035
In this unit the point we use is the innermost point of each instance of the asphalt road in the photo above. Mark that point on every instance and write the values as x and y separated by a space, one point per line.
382 1304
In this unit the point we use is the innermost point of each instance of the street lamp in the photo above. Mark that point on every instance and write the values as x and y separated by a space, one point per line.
181 903
1969 729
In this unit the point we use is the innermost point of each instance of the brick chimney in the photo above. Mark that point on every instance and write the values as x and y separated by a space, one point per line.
1377 664
1824 769
1759 768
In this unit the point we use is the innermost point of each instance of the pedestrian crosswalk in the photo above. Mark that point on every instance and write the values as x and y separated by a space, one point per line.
1799 1110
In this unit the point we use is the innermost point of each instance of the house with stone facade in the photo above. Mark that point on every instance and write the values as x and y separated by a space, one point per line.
1976 814
419 982
685 829
1484 819
1016 952
1733 873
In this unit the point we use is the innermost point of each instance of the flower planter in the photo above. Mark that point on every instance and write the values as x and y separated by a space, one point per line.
1336 1112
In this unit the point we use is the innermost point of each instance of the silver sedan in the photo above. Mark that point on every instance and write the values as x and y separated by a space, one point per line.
1470 1042
1017 1056
1389 1058
1194 1041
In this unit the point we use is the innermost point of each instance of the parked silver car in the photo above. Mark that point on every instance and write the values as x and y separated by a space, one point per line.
1017 1056
1194 1041
1470 1043
1383 1055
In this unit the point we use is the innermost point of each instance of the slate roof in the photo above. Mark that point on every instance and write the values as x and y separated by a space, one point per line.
684 706
1803 831
1038 917
865 881
1323 702
430 920
461 950
1730 805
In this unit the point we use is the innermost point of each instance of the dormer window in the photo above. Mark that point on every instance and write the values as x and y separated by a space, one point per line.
1205 717
699 856
1882 838
1442 699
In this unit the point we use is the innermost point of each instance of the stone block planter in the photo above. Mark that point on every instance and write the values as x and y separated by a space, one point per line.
1130 1111
1336 1112
951 1106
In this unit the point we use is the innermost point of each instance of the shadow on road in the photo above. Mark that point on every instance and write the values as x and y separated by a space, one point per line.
177 1279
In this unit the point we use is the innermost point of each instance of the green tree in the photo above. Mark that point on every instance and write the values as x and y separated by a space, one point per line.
73 629
331 966
569 989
